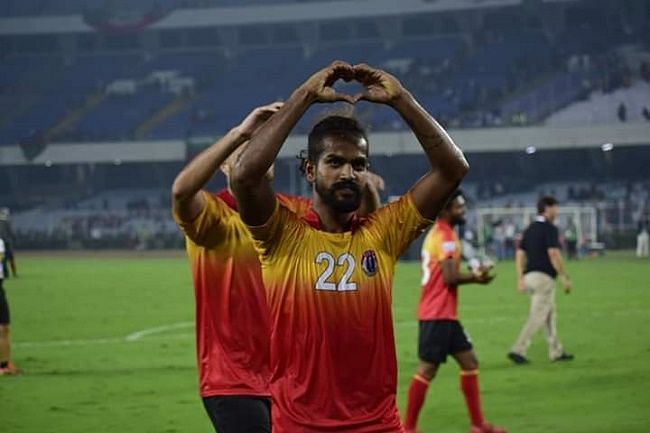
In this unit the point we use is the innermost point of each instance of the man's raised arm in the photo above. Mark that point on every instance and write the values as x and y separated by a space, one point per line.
448 164
186 200
249 182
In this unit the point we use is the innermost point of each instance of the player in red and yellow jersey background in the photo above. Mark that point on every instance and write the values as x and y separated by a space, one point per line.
329 275
440 332
232 327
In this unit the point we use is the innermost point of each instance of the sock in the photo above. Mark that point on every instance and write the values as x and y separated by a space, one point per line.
416 396
469 386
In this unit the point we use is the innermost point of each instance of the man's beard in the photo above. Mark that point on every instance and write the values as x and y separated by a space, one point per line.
458 221
340 205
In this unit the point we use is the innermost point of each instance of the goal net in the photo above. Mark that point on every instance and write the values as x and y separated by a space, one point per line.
583 219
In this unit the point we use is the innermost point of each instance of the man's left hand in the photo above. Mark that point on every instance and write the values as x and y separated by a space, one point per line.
381 87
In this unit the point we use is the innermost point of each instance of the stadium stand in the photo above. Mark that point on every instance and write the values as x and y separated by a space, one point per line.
563 64
626 104
470 78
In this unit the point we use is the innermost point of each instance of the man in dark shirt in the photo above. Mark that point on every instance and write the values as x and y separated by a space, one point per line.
6 366
7 235
539 262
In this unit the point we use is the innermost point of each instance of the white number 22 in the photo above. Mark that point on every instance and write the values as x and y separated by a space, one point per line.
344 285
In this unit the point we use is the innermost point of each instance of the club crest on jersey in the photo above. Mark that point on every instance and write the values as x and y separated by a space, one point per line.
369 263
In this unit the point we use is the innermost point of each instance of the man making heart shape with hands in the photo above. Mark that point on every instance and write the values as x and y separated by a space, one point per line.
328 274
380 86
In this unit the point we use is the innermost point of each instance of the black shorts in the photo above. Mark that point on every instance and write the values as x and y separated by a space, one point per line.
439 338
4 307
239 413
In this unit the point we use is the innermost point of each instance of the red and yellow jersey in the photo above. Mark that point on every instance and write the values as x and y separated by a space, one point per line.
232 324
333 363
438 301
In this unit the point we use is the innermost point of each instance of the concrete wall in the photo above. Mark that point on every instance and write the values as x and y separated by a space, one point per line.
386 143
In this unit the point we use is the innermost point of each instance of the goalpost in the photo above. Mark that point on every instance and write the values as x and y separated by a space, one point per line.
585 220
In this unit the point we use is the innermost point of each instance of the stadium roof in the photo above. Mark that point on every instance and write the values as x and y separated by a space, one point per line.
259 14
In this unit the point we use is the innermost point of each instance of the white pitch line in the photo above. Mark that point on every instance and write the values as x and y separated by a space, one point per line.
149 332
54 343
157 330
489 320
133 337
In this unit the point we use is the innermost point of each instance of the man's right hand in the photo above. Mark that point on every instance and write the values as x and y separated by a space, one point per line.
566 283
256 119
187 201
482 276
521 285
319 87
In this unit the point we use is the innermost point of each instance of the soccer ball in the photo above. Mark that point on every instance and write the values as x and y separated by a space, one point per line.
480 264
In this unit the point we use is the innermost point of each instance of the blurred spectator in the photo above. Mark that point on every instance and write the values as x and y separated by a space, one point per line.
571 194
644 71
6 366
571 240
510 230
499 238
622 112
7 235
642 238
646 113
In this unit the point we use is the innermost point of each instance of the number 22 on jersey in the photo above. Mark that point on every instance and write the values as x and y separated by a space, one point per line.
346 261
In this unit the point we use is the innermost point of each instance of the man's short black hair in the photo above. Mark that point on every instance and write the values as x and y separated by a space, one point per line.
544 202
454 195
332 125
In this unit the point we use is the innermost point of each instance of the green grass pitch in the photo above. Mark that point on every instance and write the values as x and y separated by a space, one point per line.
72 317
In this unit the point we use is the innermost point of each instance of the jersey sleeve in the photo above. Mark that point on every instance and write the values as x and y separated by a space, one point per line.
446 247
208 226
2 247
429 244
270 236
440 245
296 204
552 237
398 224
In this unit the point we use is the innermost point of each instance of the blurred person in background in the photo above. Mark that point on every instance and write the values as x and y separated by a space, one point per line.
642 238
571 239
538 262
7 235
6 366
440 332
509 231
499 238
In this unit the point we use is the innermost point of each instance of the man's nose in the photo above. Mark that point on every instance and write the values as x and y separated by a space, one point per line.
348 172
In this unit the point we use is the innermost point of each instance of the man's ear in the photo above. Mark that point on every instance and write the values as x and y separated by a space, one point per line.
310 171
